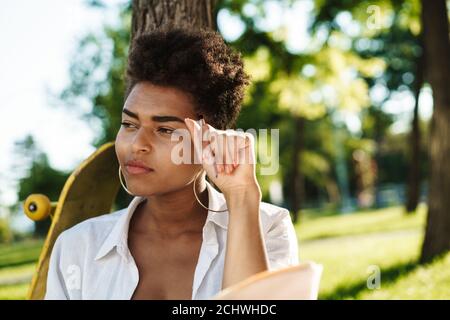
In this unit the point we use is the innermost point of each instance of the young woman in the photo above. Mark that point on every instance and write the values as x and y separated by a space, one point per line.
179 238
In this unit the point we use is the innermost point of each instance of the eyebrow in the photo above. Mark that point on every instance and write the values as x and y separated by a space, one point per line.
154 118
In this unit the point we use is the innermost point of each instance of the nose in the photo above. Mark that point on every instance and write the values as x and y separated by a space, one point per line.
141 141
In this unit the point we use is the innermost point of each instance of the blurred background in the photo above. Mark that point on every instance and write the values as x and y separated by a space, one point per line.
359 91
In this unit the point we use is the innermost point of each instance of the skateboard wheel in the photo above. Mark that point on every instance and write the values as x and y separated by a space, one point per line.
37 207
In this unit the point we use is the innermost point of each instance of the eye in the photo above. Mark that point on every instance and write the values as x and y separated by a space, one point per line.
126 124
165 130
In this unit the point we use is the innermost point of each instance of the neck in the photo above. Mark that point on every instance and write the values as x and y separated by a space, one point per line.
175 212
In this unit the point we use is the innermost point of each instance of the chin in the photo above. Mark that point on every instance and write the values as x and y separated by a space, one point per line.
143 191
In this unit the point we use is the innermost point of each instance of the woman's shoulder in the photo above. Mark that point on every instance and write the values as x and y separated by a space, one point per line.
272 210
272 215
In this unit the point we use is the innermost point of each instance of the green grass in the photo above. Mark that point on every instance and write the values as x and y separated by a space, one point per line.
16 271
20 253
346 245
17 264
347 261
14 292
430 281
389 219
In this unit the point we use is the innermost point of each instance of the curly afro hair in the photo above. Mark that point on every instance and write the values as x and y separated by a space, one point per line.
196 61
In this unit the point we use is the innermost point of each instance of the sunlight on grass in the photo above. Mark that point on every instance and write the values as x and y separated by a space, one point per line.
14 292
431 281
17 264
20 253
346 261
18 271
387 219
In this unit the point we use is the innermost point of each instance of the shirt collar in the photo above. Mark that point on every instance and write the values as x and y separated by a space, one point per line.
118 237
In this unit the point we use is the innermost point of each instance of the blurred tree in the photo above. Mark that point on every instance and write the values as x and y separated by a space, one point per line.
414 177
395 38
37 177
301 96
437 54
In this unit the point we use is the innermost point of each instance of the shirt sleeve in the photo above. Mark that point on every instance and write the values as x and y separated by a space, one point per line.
281 243
56 287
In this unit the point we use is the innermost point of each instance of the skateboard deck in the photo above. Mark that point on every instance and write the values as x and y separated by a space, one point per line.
299 282
88 192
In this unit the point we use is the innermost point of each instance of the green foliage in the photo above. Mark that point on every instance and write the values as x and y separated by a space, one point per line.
37 176
97 77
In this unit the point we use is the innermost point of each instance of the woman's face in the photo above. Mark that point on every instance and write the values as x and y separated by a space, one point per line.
150 115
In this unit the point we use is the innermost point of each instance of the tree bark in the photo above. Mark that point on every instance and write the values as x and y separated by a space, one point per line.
413 188
437 52
151 14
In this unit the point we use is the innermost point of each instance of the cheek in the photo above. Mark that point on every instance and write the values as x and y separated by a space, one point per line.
164 153
119 145
183 153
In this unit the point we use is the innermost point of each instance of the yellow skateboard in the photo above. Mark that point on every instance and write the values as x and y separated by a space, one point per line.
89 191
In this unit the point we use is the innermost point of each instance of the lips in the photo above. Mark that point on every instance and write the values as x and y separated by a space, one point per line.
137 167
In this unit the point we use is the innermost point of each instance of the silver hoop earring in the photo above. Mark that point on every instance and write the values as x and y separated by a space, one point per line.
198 200
121 182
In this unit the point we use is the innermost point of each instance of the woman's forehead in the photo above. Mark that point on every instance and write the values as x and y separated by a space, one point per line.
146 98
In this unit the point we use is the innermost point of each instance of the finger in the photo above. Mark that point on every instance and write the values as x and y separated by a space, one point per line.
249 148
195 132
211 135
246 152
216 143
206 131
233 147
229 146
208 162
240 146
217 138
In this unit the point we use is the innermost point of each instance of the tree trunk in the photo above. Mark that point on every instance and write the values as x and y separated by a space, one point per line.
297 178
151 14
333 192
413 188
437 52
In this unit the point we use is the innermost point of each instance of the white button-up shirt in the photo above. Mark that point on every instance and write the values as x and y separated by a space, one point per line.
91 260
